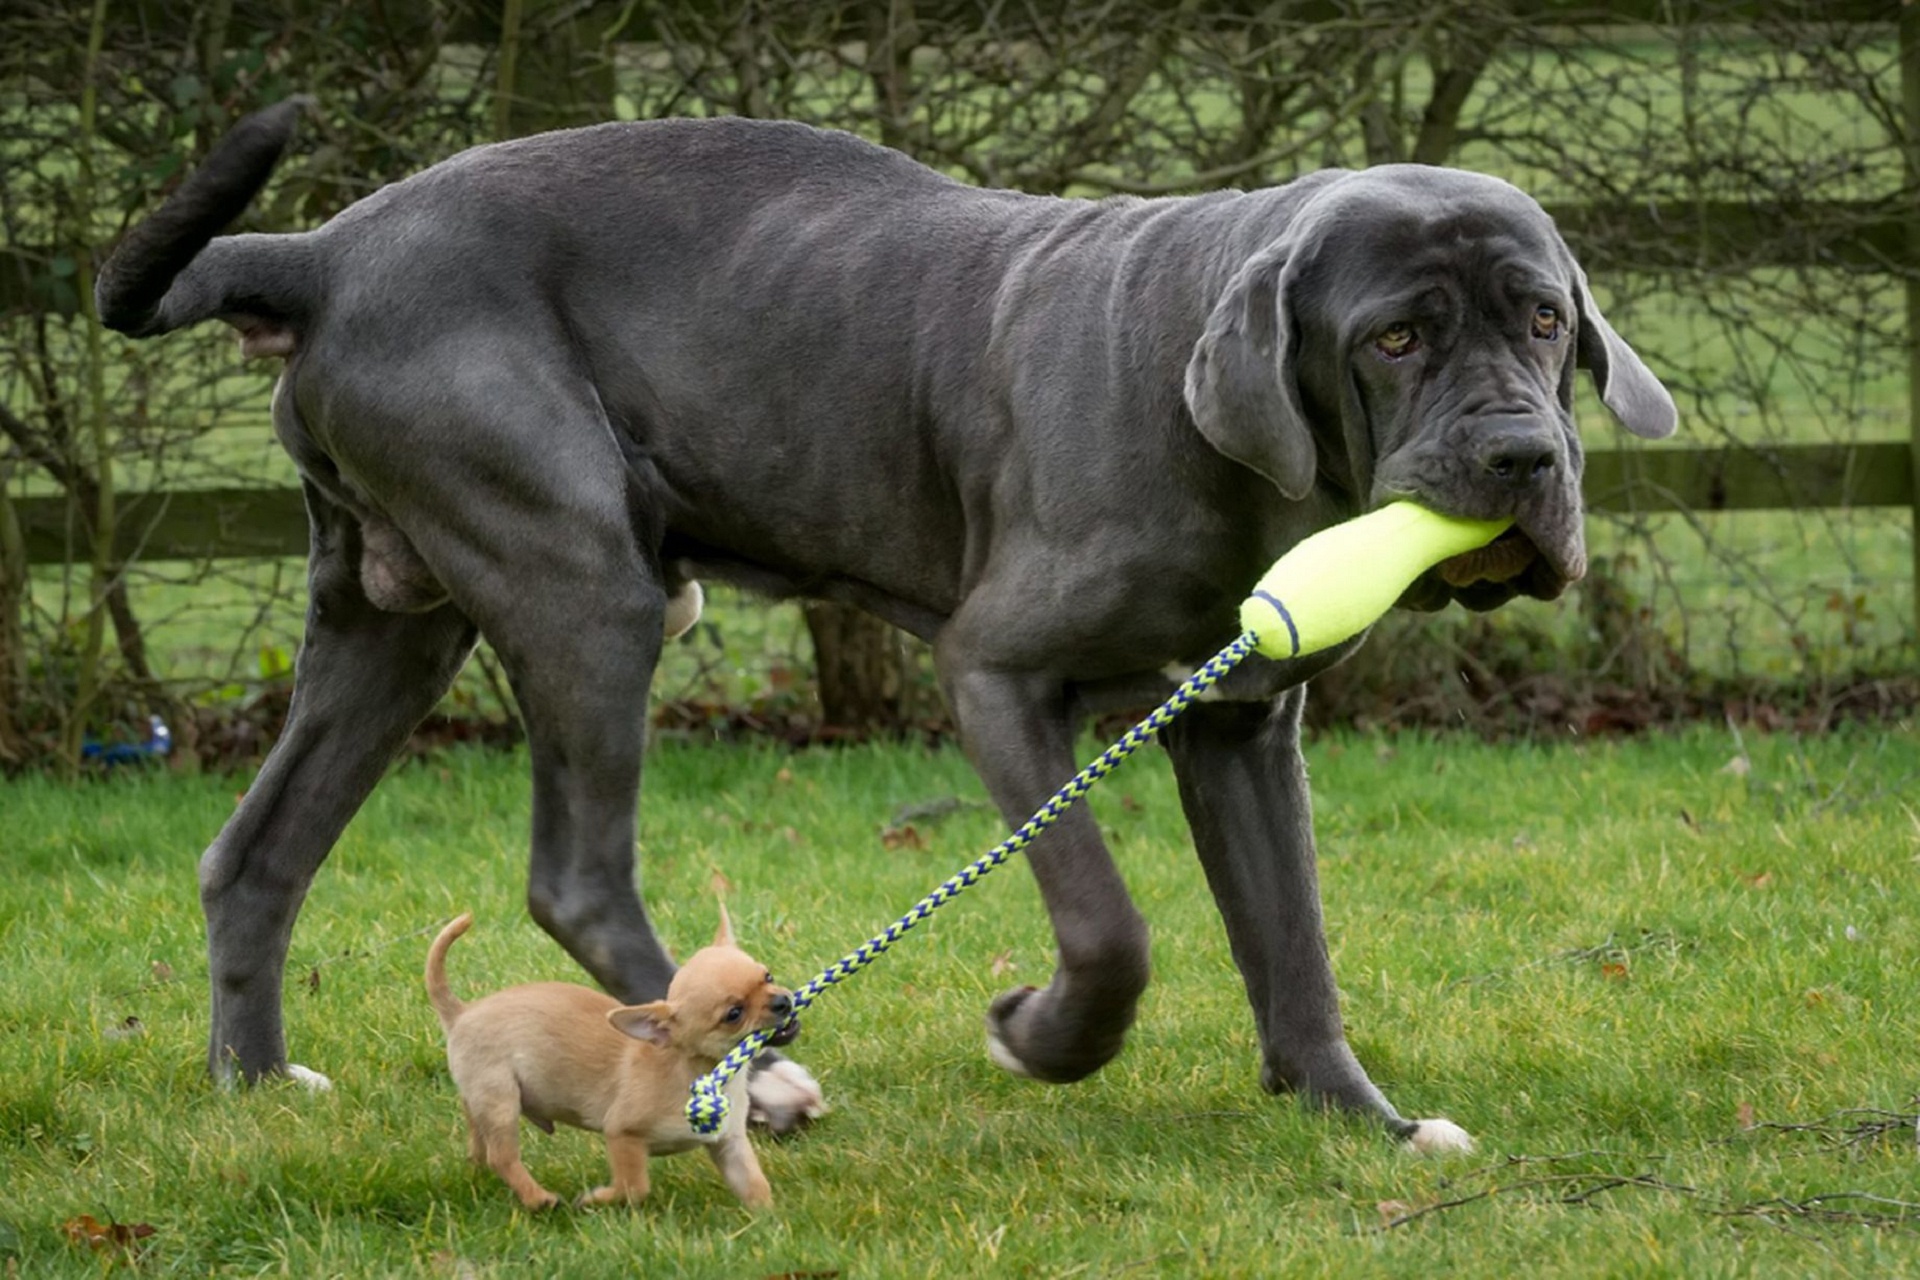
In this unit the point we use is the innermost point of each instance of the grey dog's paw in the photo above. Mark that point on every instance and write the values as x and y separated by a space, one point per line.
997 1047
783 1096
1027 1035
308 1077
1438 1137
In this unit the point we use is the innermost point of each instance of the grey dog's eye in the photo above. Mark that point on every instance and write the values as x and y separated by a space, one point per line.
1546 322
734 1014
1396 340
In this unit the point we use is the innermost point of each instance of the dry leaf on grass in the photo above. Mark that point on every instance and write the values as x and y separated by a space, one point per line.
109 1237
906 837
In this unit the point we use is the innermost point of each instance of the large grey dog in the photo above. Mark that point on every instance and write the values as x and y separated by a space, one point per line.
538 390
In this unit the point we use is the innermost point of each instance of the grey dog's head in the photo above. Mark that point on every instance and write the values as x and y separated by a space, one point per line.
1414 334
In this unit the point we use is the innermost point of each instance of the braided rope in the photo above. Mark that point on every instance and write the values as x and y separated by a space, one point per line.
708 1107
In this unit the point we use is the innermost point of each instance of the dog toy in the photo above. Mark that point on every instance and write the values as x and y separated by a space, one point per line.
1338 582
1329 588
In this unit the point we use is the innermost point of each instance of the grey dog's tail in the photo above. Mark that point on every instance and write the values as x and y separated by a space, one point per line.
444 1002
160 277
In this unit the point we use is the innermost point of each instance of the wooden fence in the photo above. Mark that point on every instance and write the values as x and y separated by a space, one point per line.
216 523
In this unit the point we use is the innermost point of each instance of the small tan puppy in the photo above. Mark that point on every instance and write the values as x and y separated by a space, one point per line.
566 1054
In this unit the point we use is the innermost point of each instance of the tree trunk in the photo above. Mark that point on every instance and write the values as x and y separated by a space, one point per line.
555 72
861 669
13 641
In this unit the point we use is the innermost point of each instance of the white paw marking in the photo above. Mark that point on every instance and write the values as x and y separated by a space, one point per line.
1004 1058
684 609
784 1089
1439 1137
308 1077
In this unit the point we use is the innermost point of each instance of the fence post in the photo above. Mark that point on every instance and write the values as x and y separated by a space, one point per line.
1910 102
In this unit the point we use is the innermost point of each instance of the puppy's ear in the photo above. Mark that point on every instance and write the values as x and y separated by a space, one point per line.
1241 388
724 936
650 1022
1626 386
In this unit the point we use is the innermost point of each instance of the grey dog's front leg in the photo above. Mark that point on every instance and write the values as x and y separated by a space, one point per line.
1244 787
1020 740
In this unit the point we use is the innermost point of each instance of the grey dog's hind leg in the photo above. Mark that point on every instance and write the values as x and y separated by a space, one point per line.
1020 739
363 680
543 556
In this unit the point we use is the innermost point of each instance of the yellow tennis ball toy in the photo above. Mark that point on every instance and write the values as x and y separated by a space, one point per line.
1338 582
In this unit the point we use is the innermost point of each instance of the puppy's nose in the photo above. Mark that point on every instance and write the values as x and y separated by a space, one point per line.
782 1005
1519 453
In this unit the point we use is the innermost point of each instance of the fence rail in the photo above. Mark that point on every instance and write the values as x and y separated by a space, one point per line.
209 524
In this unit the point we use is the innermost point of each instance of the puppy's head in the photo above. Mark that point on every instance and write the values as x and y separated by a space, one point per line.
719 997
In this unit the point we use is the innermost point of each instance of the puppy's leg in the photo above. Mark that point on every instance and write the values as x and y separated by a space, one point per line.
1243 784
476 1144
363 680
1020 738
627 1158
495 1118
733 1156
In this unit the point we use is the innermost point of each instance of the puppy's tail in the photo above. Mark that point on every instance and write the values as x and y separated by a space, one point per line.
169 272
445 1003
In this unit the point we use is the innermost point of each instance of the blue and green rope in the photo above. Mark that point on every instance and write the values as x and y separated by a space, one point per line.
707 1108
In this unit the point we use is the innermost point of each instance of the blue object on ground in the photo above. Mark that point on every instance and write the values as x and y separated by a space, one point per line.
159 742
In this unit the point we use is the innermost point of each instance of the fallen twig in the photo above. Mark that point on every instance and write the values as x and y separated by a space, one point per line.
1611 948
1834 1208
1840 1131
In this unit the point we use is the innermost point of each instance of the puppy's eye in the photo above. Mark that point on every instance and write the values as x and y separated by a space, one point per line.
1546 323
1396 340
769 978
735 1014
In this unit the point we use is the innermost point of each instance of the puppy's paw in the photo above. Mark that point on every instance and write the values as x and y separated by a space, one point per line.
307 1077
1438 1137
783 1096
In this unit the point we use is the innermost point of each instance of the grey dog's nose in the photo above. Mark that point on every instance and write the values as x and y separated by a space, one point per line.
1519 453
783 1004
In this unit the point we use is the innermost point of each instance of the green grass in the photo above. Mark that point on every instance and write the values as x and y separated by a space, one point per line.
1608 952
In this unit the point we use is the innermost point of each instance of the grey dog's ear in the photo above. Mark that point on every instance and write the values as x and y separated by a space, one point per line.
1241 388
1627 387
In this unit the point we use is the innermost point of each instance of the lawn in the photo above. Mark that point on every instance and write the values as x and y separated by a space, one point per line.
1667 982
